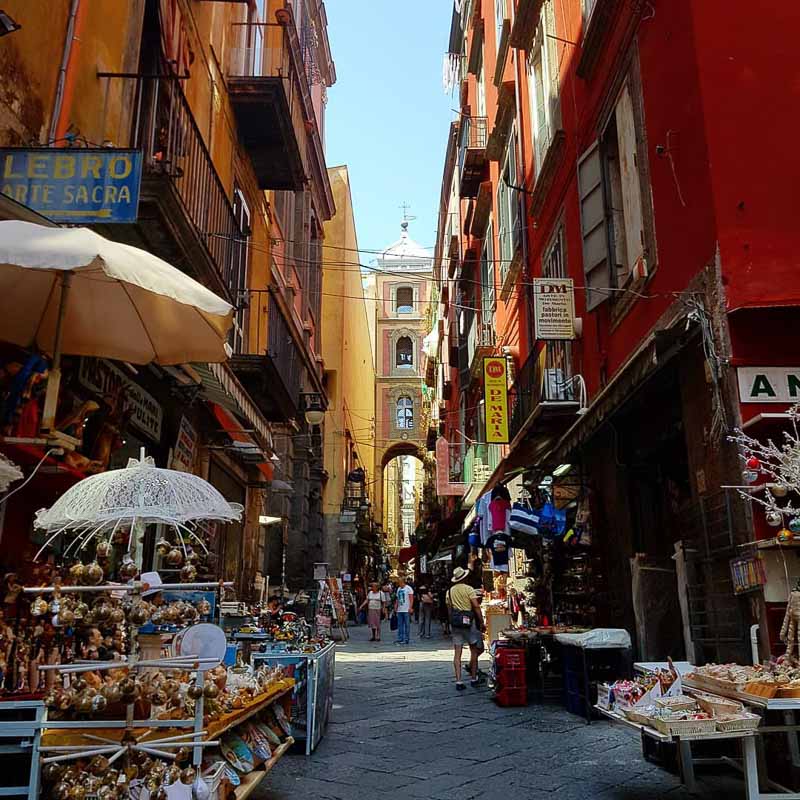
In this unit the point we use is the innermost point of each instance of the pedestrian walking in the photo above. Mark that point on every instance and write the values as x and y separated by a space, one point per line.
467 625
441 608
374 605
404 606
425 612
386 598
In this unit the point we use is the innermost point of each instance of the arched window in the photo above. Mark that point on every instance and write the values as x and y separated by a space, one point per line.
404 300
404 352
405 413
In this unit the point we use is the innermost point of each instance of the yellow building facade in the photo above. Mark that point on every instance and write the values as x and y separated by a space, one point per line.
348 356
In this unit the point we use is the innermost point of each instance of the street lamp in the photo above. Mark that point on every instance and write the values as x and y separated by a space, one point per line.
314 408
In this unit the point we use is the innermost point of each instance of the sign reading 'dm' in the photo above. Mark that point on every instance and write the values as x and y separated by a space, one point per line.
80 185
554 308
769 384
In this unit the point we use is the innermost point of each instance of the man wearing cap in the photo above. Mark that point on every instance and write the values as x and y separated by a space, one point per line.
466 621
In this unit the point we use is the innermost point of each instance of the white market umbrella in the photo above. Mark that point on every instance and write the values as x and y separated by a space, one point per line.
139 493
71 291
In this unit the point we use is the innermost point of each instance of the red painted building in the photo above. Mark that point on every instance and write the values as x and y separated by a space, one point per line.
641 149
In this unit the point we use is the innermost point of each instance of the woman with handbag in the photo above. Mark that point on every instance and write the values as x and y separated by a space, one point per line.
466 622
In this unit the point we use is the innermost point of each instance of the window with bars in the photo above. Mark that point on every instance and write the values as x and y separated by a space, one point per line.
405 413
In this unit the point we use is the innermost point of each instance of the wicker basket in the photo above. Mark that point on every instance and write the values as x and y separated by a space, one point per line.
685 727
681 703
717 706
761 689
639 717
711 684
743 722
793 691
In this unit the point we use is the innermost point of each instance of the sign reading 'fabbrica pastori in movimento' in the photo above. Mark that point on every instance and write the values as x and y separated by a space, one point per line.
74 185
769 384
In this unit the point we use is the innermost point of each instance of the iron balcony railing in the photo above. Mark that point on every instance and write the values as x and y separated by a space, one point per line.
172 146
472 135
541 380
480 461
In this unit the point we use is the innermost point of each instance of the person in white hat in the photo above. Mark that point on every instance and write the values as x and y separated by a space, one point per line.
466 622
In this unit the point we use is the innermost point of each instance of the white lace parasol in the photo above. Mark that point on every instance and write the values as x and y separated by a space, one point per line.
140 493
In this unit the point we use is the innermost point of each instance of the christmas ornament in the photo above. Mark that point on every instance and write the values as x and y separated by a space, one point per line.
174 557
128 569
753 463
779 489
794 525
93 573
773 518
188 776
163 546
750 476
103 549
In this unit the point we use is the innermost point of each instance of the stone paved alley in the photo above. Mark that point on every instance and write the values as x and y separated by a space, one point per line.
399 727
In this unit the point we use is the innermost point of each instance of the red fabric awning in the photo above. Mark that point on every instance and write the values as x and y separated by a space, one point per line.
407 553
233 428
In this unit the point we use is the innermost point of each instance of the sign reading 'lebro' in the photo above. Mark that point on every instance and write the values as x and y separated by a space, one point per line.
495 387
74 185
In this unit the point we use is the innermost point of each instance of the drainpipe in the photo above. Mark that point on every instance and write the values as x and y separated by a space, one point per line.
65 89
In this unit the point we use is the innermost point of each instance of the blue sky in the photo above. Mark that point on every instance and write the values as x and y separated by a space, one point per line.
387 115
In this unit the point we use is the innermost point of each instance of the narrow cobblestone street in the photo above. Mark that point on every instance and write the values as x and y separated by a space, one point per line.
399 726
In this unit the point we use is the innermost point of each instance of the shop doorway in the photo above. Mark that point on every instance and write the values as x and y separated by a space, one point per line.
231 535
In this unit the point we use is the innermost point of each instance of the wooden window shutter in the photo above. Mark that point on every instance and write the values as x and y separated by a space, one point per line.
629 178
593 227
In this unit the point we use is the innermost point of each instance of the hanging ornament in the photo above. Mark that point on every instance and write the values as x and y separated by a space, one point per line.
753 463
188 775
128 569
93 574
188 573
39 607
773 518
750 476
103 549
794 525
784 535
163 546
174 557
76 573
779 489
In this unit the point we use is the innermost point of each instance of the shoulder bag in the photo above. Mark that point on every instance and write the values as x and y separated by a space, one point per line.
458 618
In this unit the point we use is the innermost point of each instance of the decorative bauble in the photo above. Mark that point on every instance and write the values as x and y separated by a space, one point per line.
188 775
54 606
106 792
171 687
750 475
189 615
152 783
80 610
157 617
120 537
99 704
194 691
174 557
102 611
192 557
76 573
139 613
65 618
211 691
204 608
131 772
188 573
52 772
128 688
85 702
111 692
784 535
79 684
169 613
779 489
61 791
77 792
160 794
93 574
111 777
103 549
794 525
753 463
172 774
39 607
98 765
64 699
163 546
117 615
158 697
128 569
773 518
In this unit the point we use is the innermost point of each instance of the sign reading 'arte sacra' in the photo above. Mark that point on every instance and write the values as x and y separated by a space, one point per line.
74 185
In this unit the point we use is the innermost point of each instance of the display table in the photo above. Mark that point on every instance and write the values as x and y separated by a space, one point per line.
687 762
312 697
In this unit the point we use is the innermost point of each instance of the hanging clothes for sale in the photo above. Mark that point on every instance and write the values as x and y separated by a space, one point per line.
482 514
499 545
500 509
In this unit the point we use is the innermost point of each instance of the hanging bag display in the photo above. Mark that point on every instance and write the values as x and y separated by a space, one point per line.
524 519
547 519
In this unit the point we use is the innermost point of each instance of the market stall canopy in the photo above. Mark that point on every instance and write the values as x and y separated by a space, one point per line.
141 492
123 302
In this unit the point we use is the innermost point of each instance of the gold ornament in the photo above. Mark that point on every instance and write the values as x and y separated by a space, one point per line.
174 557
94 573
188 775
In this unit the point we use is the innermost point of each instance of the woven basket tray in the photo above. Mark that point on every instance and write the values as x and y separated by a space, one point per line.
717 706
685 727
676 703
761 689
711 684
638 717
788 692
745 722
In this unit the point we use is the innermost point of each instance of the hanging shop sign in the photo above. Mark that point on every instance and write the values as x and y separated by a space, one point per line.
443 486
769 384
554 308
185 447
74 185
495 387
103 378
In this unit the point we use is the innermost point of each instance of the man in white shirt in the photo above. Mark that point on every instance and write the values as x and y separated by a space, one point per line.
403 606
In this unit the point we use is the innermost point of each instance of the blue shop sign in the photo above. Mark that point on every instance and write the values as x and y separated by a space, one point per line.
80 186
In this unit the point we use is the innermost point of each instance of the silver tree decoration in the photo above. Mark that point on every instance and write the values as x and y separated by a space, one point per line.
780 465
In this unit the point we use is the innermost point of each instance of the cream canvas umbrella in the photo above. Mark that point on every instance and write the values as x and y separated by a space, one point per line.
71 291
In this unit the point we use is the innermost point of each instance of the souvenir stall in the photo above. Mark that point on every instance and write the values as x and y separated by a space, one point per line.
756 703
120 676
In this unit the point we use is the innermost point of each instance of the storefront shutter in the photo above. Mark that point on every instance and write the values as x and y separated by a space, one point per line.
593 227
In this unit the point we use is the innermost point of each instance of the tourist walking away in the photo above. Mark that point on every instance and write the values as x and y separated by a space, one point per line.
374 605
425 612
441 608
404 606
466 622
